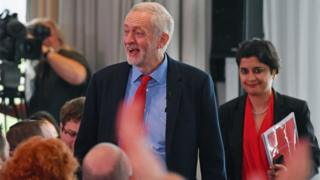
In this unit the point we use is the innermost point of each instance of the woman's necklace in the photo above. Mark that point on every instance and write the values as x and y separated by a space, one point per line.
261 112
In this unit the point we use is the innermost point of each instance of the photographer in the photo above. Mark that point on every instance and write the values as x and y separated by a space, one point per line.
60 75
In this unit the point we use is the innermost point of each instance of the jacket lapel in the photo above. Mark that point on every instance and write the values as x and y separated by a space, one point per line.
121 80
236 135
279 110
174 88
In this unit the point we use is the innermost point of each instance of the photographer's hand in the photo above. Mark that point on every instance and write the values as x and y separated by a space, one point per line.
67 68
46 50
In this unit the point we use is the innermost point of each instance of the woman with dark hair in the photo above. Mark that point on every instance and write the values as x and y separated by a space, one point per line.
245 118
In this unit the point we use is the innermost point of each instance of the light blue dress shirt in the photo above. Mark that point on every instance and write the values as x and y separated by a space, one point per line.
155 114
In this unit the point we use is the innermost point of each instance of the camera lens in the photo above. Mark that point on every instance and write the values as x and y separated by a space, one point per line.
41 32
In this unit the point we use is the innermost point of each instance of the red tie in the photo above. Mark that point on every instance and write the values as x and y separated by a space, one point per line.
141 91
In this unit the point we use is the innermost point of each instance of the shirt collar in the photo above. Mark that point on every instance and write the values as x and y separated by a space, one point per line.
159 74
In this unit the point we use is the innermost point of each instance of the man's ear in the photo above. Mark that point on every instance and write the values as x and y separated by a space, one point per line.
163 40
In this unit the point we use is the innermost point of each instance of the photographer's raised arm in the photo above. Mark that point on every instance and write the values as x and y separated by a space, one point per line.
67 68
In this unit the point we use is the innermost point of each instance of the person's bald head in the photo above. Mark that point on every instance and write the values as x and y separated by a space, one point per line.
106 161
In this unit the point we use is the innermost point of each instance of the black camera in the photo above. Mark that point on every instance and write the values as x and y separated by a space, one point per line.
15 40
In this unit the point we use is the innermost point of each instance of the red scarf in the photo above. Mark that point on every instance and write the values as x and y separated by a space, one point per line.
255 162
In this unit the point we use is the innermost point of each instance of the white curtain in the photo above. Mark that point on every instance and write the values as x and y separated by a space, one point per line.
95 29
192 38
42 8
294 27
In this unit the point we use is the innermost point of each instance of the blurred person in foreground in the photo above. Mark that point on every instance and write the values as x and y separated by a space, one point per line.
39 158
133 140
70 117
60 75
245 118
299 165
106 161
180 108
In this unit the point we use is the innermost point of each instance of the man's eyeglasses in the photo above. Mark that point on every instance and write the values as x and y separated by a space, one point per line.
70 132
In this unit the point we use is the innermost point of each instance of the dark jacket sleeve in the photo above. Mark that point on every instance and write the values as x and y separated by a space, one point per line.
223 122
211 152
306 130
87 137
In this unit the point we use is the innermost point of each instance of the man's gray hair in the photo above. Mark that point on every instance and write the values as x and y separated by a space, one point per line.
161 18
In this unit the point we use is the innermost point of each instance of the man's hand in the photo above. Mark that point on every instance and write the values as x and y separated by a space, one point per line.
132 139
299 166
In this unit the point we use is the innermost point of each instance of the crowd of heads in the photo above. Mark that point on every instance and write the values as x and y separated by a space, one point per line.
35 155
34 149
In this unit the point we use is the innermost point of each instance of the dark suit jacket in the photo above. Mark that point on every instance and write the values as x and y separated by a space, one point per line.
232 121
192 118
